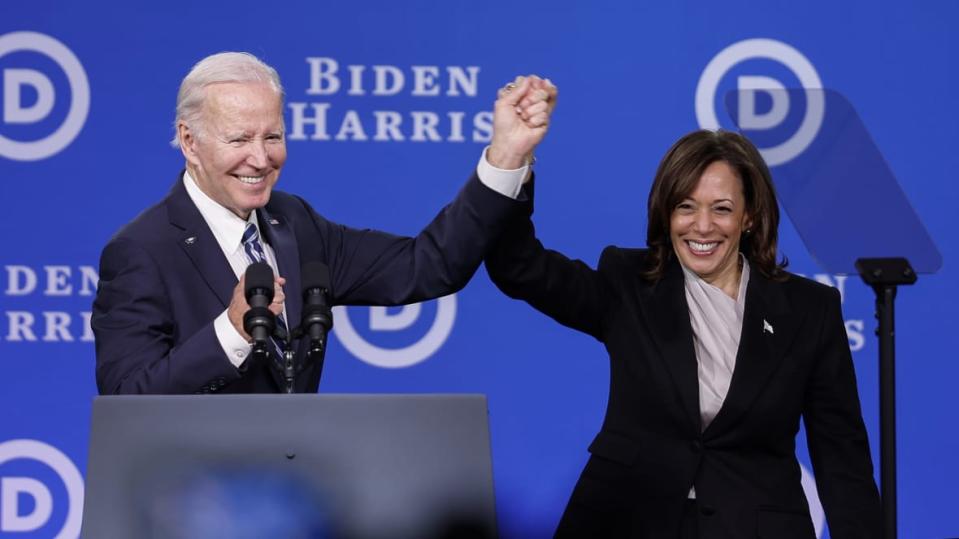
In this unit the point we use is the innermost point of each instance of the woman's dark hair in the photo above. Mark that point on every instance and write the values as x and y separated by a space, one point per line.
677 177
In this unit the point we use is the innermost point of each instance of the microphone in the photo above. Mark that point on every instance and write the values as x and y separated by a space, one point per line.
259 322
317 317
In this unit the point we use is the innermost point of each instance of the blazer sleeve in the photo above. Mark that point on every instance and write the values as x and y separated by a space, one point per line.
136 330
836 436
569 291
369 267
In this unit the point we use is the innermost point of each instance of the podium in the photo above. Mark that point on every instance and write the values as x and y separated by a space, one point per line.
341 466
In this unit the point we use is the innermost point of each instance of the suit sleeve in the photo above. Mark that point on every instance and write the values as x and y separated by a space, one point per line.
369 267
136 331
836 435
569 291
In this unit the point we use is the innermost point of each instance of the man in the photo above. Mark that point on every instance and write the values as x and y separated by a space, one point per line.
168 316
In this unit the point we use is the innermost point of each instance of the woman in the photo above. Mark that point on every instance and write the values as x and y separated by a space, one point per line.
715 354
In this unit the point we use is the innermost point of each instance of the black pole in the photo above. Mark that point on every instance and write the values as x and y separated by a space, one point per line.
884 275
886 313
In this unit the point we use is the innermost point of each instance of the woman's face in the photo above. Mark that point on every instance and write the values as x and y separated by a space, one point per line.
705 227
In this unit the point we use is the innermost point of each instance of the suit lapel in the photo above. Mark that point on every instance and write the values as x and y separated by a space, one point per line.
668 316
279 235
197 241
769 327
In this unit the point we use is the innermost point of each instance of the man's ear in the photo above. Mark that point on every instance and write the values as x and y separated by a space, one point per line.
188 142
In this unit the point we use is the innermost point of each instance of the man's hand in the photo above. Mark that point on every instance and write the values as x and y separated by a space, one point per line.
521 118
238 305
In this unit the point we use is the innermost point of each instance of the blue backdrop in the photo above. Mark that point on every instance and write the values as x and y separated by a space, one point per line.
88 95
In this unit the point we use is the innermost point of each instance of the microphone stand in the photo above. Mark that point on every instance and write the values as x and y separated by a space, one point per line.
288 370
316 354
288 364
884 275
317 348
316 321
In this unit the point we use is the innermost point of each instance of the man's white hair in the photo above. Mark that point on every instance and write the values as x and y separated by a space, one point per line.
216 68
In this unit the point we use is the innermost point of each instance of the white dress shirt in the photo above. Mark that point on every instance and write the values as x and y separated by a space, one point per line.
717 323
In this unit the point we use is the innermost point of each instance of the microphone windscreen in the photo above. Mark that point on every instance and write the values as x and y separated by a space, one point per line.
259 277
315 275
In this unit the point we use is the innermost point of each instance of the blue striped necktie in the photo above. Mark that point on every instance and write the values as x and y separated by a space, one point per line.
254 251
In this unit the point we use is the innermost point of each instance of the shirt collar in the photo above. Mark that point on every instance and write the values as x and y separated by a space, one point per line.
227 228
691 277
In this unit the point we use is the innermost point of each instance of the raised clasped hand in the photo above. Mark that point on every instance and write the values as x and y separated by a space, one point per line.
521 117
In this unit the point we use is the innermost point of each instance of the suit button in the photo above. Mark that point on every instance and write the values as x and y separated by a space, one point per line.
707 510
696 446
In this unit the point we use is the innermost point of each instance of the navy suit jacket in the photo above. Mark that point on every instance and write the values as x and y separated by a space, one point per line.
164 279
651 448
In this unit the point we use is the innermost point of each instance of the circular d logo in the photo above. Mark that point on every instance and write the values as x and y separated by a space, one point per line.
15 109
13 490
381 321
748 86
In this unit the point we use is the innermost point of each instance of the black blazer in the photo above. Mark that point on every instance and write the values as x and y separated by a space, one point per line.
164 279
651 448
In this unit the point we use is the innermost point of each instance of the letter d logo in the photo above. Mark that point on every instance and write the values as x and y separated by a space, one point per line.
748 86
382 321
18 83
13 518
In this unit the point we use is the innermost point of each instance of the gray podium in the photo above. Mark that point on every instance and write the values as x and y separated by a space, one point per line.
341 466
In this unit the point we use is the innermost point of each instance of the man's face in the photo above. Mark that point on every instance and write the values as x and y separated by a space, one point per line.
237 151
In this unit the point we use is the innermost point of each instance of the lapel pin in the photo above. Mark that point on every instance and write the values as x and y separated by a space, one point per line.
767 327
190 241
274 222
